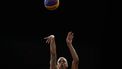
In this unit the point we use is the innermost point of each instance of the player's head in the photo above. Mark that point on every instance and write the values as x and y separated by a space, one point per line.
62 63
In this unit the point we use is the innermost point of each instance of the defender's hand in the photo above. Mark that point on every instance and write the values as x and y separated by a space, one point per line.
69 38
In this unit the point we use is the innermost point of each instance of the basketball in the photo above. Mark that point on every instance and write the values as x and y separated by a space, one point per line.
51 4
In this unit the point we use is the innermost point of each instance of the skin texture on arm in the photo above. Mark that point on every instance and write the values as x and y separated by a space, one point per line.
75 57
53 56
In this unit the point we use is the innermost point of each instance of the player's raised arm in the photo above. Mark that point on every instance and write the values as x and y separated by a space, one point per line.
53 57
75 57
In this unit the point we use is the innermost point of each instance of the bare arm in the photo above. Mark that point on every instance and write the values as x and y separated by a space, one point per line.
75 57
53 56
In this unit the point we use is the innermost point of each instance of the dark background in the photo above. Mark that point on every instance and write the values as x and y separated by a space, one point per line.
26 22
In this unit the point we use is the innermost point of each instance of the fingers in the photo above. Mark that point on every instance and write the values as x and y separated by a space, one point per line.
49 38
48 41
70 34
46 38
